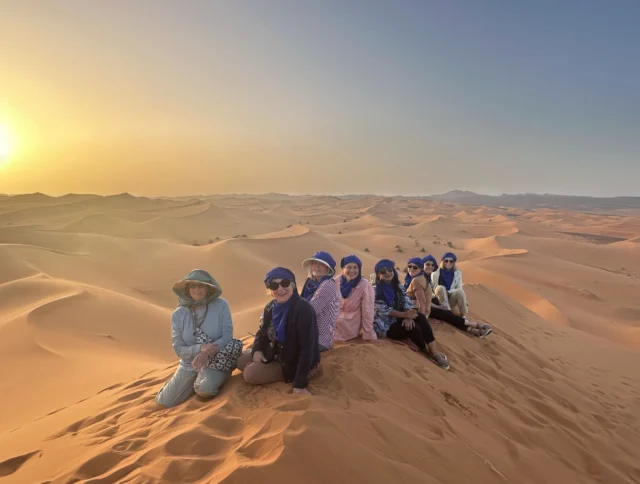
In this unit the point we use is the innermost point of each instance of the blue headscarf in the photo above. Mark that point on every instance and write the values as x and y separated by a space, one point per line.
347 286
417 261
385 291
279 273
279 318
447 275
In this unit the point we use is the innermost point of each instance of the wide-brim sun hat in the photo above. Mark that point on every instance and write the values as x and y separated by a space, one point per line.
322 257
200 276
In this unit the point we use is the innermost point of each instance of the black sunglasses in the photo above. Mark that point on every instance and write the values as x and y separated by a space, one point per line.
385 271
273 285
412 266
448 261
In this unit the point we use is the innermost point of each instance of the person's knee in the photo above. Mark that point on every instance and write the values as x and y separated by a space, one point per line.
209 385
163 400
251 373
244 360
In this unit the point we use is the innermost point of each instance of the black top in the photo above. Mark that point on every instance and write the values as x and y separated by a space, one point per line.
299 353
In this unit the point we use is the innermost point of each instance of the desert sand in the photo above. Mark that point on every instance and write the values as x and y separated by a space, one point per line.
85 304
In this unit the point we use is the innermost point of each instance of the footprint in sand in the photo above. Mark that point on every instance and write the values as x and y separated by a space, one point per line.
454 402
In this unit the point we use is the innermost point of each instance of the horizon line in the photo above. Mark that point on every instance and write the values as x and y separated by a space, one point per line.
459 192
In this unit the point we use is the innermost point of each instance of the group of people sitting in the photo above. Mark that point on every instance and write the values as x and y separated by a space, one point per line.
295 328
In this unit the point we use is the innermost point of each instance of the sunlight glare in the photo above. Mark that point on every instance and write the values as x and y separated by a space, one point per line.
5 144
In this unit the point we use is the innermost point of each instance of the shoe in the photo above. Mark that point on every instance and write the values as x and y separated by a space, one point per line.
486 331
441 360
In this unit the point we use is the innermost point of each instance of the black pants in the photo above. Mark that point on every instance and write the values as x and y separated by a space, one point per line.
448 317
421 334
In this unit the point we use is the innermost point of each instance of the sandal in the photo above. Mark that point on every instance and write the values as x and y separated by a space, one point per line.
441 360
486 331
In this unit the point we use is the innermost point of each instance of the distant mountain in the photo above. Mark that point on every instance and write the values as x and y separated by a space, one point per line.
532 200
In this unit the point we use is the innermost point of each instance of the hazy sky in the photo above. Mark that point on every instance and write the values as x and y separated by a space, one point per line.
356 96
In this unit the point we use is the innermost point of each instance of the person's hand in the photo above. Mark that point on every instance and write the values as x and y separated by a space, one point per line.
258 356
411 313
209 348
408 324
200 361
301 391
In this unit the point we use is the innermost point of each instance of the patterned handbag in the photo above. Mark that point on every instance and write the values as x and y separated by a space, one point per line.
225 359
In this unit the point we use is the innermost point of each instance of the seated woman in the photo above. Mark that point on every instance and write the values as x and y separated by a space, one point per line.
481 330
201 328
356 306
322 293
447 284
286 345
395 318
416 285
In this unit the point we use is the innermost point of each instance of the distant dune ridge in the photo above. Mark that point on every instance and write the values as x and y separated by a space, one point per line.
552 397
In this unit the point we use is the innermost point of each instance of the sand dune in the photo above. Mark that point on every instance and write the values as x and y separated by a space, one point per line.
85 291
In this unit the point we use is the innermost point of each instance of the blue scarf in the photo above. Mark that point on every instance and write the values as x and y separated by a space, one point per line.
279 318
385 292
446 278
347 286
311 286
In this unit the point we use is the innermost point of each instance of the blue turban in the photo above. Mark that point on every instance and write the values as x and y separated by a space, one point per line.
385 264
450 255
351 259
279 273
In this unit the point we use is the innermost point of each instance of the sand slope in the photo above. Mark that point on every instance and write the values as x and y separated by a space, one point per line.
553 396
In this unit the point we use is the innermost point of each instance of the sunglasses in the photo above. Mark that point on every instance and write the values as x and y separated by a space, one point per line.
448 261
412 267
273 285
385 271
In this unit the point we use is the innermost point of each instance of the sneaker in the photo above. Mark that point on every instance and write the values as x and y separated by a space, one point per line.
441 360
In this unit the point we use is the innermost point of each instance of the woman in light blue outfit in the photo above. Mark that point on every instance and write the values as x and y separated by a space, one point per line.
201 331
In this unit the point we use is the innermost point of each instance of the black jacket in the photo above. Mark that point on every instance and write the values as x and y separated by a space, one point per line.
299 353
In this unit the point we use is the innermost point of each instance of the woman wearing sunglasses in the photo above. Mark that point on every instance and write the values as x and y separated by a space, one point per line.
356 306
320 290
447 283
395 318
202 333
481 330
416 285
286 345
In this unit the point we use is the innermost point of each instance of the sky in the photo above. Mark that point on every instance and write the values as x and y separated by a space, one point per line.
407 97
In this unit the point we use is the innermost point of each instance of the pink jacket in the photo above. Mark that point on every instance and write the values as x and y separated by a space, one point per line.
356 312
